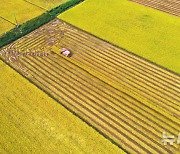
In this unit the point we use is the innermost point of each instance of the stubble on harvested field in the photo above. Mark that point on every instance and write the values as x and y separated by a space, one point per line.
168 6
129 100
32 122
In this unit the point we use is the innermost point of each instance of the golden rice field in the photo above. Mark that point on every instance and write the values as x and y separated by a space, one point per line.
47 4
126 98
5 26
19 8
31 122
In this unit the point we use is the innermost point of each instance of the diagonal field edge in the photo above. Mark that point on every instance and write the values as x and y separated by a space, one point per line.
7 20
121 48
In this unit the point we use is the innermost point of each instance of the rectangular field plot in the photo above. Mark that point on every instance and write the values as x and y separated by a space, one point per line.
23 11
5 26
126 98
168 6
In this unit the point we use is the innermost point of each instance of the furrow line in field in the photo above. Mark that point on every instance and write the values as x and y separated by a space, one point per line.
133 101
157 3
36 35
26 43
29 37
36 41
136 89
89 102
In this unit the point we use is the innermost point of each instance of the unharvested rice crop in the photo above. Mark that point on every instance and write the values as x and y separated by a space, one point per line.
144 31
47 4
32 122
5 26
20 9
126 98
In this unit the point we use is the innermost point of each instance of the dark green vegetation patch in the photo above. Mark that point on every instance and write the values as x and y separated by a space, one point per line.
27 27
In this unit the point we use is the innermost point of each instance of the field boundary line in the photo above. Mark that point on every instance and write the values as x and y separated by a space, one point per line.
7 20
35 5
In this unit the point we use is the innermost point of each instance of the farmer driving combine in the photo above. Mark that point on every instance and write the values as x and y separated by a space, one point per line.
66 52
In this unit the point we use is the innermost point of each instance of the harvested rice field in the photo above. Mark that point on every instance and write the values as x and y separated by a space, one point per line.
47 4
168 6
129 100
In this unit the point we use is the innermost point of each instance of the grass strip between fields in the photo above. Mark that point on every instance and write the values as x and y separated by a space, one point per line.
27 27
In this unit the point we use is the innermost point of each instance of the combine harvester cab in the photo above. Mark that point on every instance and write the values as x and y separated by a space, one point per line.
66 52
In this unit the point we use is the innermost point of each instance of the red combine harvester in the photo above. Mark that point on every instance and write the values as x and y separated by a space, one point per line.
66 52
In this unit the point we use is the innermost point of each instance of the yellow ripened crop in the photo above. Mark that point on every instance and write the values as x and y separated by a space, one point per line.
5 26
47 4
22 10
